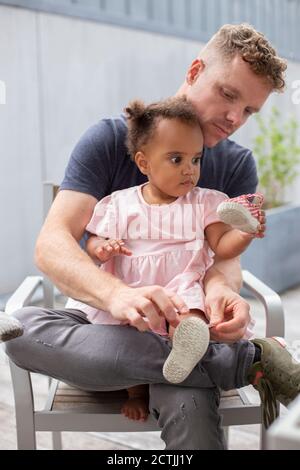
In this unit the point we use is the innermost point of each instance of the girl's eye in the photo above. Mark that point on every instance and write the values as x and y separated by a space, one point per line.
176 159
196 160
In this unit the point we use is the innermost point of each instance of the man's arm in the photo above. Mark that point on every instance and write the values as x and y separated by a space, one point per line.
224 272
227 310
60 257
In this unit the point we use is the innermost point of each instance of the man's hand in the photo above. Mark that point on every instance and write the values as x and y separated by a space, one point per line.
228 313
144 307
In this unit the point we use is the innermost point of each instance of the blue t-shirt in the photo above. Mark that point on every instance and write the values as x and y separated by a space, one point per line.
100 164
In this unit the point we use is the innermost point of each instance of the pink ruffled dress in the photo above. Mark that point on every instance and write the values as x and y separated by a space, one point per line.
167 241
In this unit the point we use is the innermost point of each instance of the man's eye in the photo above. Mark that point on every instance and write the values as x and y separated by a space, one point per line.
176 159
227 95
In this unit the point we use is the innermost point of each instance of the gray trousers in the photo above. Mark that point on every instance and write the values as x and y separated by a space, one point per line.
65 345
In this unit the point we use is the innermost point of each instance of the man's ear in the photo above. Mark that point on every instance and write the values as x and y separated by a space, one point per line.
194 71
142 162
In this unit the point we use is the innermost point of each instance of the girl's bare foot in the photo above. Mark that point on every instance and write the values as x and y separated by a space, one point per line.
137 405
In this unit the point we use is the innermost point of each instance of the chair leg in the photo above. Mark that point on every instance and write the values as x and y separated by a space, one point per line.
263 430
226 434
57 440
26 438
24 407
263 437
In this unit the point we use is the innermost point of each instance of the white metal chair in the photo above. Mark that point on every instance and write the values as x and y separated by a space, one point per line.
71 409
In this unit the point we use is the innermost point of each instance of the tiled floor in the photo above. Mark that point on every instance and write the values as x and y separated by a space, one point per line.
241 437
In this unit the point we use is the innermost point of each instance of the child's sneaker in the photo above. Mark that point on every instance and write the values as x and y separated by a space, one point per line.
276 377
242 212
190 342
10 327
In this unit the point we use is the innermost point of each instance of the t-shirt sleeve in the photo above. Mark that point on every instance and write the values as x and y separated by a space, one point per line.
210 201
104 222
90 166
244 178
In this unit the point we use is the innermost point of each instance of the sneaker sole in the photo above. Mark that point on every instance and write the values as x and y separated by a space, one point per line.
236 215
10 328
190 342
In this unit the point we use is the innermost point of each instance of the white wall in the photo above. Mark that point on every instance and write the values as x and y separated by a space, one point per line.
20 164
62 75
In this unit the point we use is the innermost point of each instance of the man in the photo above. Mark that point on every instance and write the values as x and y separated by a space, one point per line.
230 80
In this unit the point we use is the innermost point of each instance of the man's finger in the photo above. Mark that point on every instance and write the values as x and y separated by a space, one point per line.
164 303
216 313
137 321
230 326
180 305
147 309
239 321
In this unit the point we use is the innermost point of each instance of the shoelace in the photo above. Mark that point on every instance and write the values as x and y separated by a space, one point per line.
268 401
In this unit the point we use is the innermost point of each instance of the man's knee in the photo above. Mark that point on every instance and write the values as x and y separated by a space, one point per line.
188 417
186 399
25 314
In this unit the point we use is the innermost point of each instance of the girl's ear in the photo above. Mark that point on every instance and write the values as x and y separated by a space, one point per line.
142 162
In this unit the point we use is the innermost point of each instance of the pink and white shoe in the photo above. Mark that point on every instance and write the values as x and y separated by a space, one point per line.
242 212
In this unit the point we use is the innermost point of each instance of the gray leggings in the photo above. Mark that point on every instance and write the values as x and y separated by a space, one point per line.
65 345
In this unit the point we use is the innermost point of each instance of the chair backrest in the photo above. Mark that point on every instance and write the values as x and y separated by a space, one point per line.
50 191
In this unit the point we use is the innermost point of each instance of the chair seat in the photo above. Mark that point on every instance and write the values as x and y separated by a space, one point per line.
70 401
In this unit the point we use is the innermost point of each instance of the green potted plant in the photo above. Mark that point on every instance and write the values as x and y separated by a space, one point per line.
276 258
278 154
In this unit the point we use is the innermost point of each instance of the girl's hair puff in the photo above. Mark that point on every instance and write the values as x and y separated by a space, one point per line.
142 119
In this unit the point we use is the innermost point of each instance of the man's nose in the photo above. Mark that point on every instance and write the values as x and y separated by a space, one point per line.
235 117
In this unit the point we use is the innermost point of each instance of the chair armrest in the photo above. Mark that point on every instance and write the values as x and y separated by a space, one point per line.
24 293
271 302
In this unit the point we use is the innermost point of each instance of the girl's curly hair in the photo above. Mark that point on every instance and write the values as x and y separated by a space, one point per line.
142 119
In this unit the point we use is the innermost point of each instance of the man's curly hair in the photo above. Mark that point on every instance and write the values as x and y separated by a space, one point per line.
253 47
